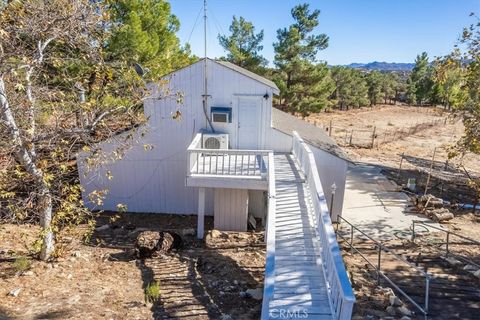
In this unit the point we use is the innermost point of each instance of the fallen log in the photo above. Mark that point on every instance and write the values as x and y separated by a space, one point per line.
149 243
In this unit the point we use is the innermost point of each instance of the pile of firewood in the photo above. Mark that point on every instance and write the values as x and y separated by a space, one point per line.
434 208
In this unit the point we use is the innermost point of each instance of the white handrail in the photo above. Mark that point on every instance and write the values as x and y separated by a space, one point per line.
226 162
269 282
339 287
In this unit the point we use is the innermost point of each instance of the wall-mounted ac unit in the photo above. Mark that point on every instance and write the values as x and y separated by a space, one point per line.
215 141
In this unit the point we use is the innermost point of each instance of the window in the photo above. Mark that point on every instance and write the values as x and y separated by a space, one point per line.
221 114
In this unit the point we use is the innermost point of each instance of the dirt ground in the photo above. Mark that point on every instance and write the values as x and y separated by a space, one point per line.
103 280
420 144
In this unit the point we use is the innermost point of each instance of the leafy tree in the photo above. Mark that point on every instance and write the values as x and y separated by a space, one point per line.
350 87
420 80
449 82
244 45
295 52
43 125
466 103
388 86
143 31
374 85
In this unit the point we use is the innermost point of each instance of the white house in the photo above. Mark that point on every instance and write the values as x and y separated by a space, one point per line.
183 173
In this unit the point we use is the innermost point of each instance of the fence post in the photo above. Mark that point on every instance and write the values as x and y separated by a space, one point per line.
378 262
351 137
430 172
400 167
330 130
373 136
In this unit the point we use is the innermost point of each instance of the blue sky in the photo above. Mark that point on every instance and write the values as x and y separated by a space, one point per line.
359 30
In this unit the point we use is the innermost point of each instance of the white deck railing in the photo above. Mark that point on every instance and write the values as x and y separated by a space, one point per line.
339 288
269 282
226 162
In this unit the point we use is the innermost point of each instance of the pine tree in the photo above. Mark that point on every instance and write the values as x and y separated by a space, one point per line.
295 53
374 84
420 81
144 31
244 45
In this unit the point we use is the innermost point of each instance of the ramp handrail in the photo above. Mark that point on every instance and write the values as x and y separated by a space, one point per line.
339 288
269 282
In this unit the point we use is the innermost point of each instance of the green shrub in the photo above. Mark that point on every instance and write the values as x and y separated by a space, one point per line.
152 292
22 264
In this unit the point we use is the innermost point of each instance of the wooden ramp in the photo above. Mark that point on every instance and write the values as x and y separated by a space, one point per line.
300 289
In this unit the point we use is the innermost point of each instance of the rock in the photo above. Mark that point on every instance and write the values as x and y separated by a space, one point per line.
453 261
69 276
477 273
391 310
404 311
76 254
15 292
395 301
405 318
215 233
243 294
470 267
256 294
149 242
28 273
102 228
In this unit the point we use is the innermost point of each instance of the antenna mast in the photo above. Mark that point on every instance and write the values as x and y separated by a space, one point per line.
205 87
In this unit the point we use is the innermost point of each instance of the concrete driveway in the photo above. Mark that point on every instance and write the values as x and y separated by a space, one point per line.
373 204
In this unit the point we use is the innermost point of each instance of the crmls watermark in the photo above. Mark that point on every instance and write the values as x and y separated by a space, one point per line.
288 314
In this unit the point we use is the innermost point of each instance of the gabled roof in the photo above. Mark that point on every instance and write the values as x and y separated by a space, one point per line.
249 74
314 135
238 69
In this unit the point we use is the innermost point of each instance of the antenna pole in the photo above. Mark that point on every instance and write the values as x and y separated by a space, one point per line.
205 87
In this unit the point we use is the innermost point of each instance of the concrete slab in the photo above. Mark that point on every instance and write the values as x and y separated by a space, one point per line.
373 204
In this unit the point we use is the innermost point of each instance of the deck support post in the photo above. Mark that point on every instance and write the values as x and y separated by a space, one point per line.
201 213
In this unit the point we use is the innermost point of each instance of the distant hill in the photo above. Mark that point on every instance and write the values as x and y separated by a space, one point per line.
382 66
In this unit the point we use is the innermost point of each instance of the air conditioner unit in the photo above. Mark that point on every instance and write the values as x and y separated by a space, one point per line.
215 141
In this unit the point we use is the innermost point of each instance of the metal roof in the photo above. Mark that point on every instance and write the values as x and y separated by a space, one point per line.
314 135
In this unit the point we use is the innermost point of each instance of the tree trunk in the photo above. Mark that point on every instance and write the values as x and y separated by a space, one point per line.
25 158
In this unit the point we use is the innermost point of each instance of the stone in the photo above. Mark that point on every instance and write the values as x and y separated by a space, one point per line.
395 301
453 261
256 294
405 318
216 233
102 228
391 310
404 311
470 267
477 274
28 273
76 254
15 292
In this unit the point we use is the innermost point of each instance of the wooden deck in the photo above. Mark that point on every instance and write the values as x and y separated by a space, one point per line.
300 289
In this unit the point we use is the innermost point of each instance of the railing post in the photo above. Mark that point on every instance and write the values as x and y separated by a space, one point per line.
351 238
379 262
427 292
448 240
413 231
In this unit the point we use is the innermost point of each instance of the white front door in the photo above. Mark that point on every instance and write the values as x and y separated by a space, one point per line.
249 122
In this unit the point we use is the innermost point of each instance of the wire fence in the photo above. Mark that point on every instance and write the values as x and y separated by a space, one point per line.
373 137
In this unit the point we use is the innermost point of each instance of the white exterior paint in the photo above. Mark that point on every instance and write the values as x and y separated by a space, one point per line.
231 209
154 180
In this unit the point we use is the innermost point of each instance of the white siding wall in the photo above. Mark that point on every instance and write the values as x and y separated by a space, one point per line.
231 209
331 169
154 180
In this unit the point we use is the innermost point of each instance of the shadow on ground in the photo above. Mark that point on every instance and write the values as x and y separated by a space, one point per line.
203 280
